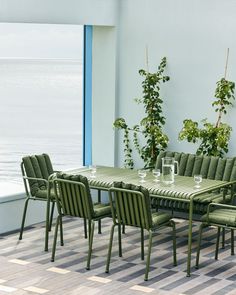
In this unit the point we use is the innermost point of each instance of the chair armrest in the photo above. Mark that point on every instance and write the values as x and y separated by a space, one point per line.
38 179
35 178
221 206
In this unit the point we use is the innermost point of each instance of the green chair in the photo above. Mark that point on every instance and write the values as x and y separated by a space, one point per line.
36 170
222 216
131 207
73 199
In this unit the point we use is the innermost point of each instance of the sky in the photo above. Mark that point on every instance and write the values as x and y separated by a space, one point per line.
40 41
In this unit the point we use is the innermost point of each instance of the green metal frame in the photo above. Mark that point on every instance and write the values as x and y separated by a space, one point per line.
129 207
72 200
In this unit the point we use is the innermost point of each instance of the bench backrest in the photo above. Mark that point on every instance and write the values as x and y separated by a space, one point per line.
208 166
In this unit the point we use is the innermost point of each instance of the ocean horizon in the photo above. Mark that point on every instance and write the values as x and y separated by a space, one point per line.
41 112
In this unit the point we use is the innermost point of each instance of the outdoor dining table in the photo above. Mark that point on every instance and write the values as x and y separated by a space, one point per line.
183 189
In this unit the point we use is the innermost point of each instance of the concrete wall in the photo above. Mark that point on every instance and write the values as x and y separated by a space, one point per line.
194 36
11 214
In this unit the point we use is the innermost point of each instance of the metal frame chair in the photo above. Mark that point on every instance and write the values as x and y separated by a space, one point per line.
36 179
222 218
73 199
132 208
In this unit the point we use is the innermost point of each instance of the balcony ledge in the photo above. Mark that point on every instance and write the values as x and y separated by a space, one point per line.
10 192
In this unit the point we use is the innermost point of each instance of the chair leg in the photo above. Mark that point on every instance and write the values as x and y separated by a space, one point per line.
217 243
85 229
123 229
61 232
199 244
119 240
51 216
172 223
23 218
90 244
232 242
223 238
148 256
110 248
142 244
89 228
99 227
55 238
47 225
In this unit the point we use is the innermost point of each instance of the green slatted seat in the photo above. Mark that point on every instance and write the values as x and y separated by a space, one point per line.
36 170
209 167
225 217
73 199
131 206
222 216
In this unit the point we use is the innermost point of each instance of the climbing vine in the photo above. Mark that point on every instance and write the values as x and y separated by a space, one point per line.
150 127
213 138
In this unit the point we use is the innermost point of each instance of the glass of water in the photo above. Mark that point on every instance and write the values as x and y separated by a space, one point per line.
93 171
142 174
197 180
156 173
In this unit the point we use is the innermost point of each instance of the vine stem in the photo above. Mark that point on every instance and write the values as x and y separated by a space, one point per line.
226 64
226 68
146 56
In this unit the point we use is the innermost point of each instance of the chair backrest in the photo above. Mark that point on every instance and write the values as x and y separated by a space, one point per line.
130 205
36 166
73 195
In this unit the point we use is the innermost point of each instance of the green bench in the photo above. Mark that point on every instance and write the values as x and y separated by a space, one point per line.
209 167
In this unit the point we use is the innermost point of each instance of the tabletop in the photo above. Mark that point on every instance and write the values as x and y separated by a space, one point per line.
183 187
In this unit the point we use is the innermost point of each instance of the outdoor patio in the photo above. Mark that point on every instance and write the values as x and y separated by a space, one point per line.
26 268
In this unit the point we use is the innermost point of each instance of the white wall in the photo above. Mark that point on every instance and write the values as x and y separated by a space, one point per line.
92 12
194 36
103 94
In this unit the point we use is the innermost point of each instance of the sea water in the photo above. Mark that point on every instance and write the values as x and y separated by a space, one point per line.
40 112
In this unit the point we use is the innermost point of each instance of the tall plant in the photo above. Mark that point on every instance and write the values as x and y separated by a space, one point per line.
214 138
150 127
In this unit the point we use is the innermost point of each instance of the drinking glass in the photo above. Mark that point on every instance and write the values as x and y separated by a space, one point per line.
142 174
93 171
156 173
197 180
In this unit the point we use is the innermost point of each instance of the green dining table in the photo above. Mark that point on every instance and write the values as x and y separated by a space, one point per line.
183 189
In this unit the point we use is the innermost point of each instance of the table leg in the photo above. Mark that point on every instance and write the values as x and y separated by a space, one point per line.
190 238
99 221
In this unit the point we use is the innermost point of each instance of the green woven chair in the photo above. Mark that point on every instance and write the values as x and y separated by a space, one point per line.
131 206
73 199
222 216
36 170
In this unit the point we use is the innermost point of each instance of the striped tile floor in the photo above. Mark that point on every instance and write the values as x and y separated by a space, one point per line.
26 269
